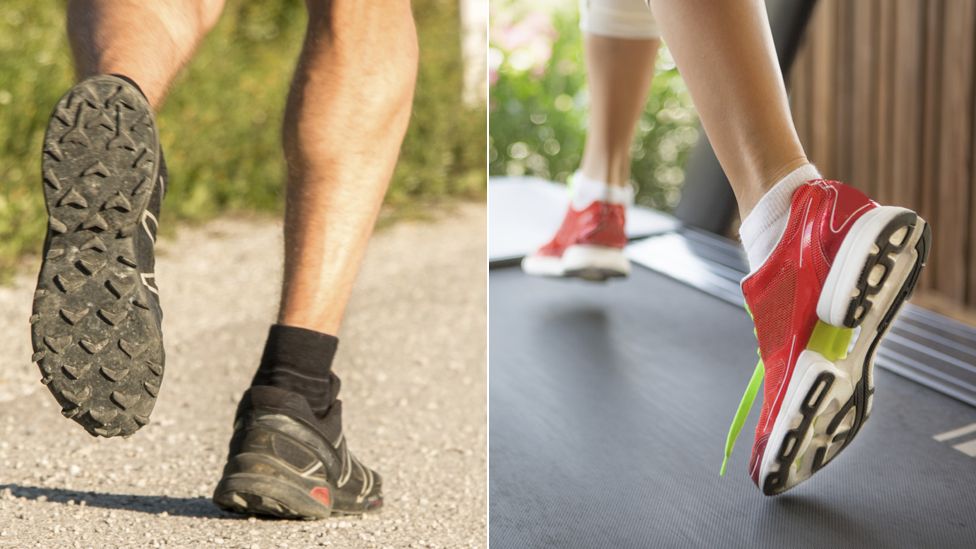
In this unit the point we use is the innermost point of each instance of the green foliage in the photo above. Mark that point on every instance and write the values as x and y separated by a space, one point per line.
537 113
220 125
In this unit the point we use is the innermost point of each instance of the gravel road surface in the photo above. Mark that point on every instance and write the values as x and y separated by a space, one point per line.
412 361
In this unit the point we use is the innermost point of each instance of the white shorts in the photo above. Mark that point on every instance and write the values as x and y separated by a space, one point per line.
618 19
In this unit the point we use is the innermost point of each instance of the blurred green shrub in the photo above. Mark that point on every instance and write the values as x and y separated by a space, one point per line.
220 126
538 101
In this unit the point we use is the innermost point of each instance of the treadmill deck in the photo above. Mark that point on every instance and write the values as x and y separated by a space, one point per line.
609 406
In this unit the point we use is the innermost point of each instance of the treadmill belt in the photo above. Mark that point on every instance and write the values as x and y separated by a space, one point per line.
609 406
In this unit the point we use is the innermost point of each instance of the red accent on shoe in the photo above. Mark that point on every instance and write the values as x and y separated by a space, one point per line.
322 495
599 224
782 294
758 449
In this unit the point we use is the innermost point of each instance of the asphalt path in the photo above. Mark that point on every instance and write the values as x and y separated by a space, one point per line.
412 361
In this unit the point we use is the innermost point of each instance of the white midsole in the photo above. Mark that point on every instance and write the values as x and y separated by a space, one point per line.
842 279
847 372
809 366
578 258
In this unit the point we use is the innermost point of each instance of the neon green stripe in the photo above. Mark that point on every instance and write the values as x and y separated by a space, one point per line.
830 341
743 412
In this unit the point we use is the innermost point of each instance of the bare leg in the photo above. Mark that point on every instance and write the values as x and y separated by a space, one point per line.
346 116
147 41
619 75
724 50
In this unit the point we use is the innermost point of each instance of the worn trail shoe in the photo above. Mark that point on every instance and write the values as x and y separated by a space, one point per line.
286 462
96 319
821 303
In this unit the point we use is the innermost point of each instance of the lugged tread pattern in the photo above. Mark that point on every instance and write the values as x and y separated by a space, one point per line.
95 326
884 258
247 503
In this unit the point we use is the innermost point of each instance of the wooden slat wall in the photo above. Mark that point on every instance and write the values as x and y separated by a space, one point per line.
884 97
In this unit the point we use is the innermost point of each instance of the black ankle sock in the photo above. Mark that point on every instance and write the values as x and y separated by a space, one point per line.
300 361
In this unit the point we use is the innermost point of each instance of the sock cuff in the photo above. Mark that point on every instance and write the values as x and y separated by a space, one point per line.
585 191
294 345
775 202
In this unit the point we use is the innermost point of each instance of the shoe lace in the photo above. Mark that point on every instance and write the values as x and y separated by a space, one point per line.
829 341
745 406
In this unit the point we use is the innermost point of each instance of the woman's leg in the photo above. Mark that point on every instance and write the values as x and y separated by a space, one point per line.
724 50
619 75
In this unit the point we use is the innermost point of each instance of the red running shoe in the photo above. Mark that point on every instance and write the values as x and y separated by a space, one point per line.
821 303
589 245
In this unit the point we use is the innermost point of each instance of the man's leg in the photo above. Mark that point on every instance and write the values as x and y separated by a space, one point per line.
346 117
347 113
146 41
96 325
824 258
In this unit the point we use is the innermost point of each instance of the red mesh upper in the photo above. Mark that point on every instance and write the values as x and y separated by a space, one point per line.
599 224
773 326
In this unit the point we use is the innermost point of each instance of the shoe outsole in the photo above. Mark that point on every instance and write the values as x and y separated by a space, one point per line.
264 495
273 489
869 285
257 502
588 262
94 328
594 274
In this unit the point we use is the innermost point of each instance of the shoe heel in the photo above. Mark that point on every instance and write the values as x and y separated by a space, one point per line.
258 485
595 262
879 251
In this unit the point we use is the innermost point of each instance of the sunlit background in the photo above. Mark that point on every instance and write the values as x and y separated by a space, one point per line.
538 102
220 126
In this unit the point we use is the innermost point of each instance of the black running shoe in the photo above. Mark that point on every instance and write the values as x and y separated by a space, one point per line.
286 462
96 319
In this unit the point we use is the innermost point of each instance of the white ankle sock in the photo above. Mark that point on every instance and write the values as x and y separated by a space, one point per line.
763 227
585 191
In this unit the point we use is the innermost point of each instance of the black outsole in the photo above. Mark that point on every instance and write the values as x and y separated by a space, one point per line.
861 304
266 486
775 483
266 495
259 503
95 326
258 500
594 274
